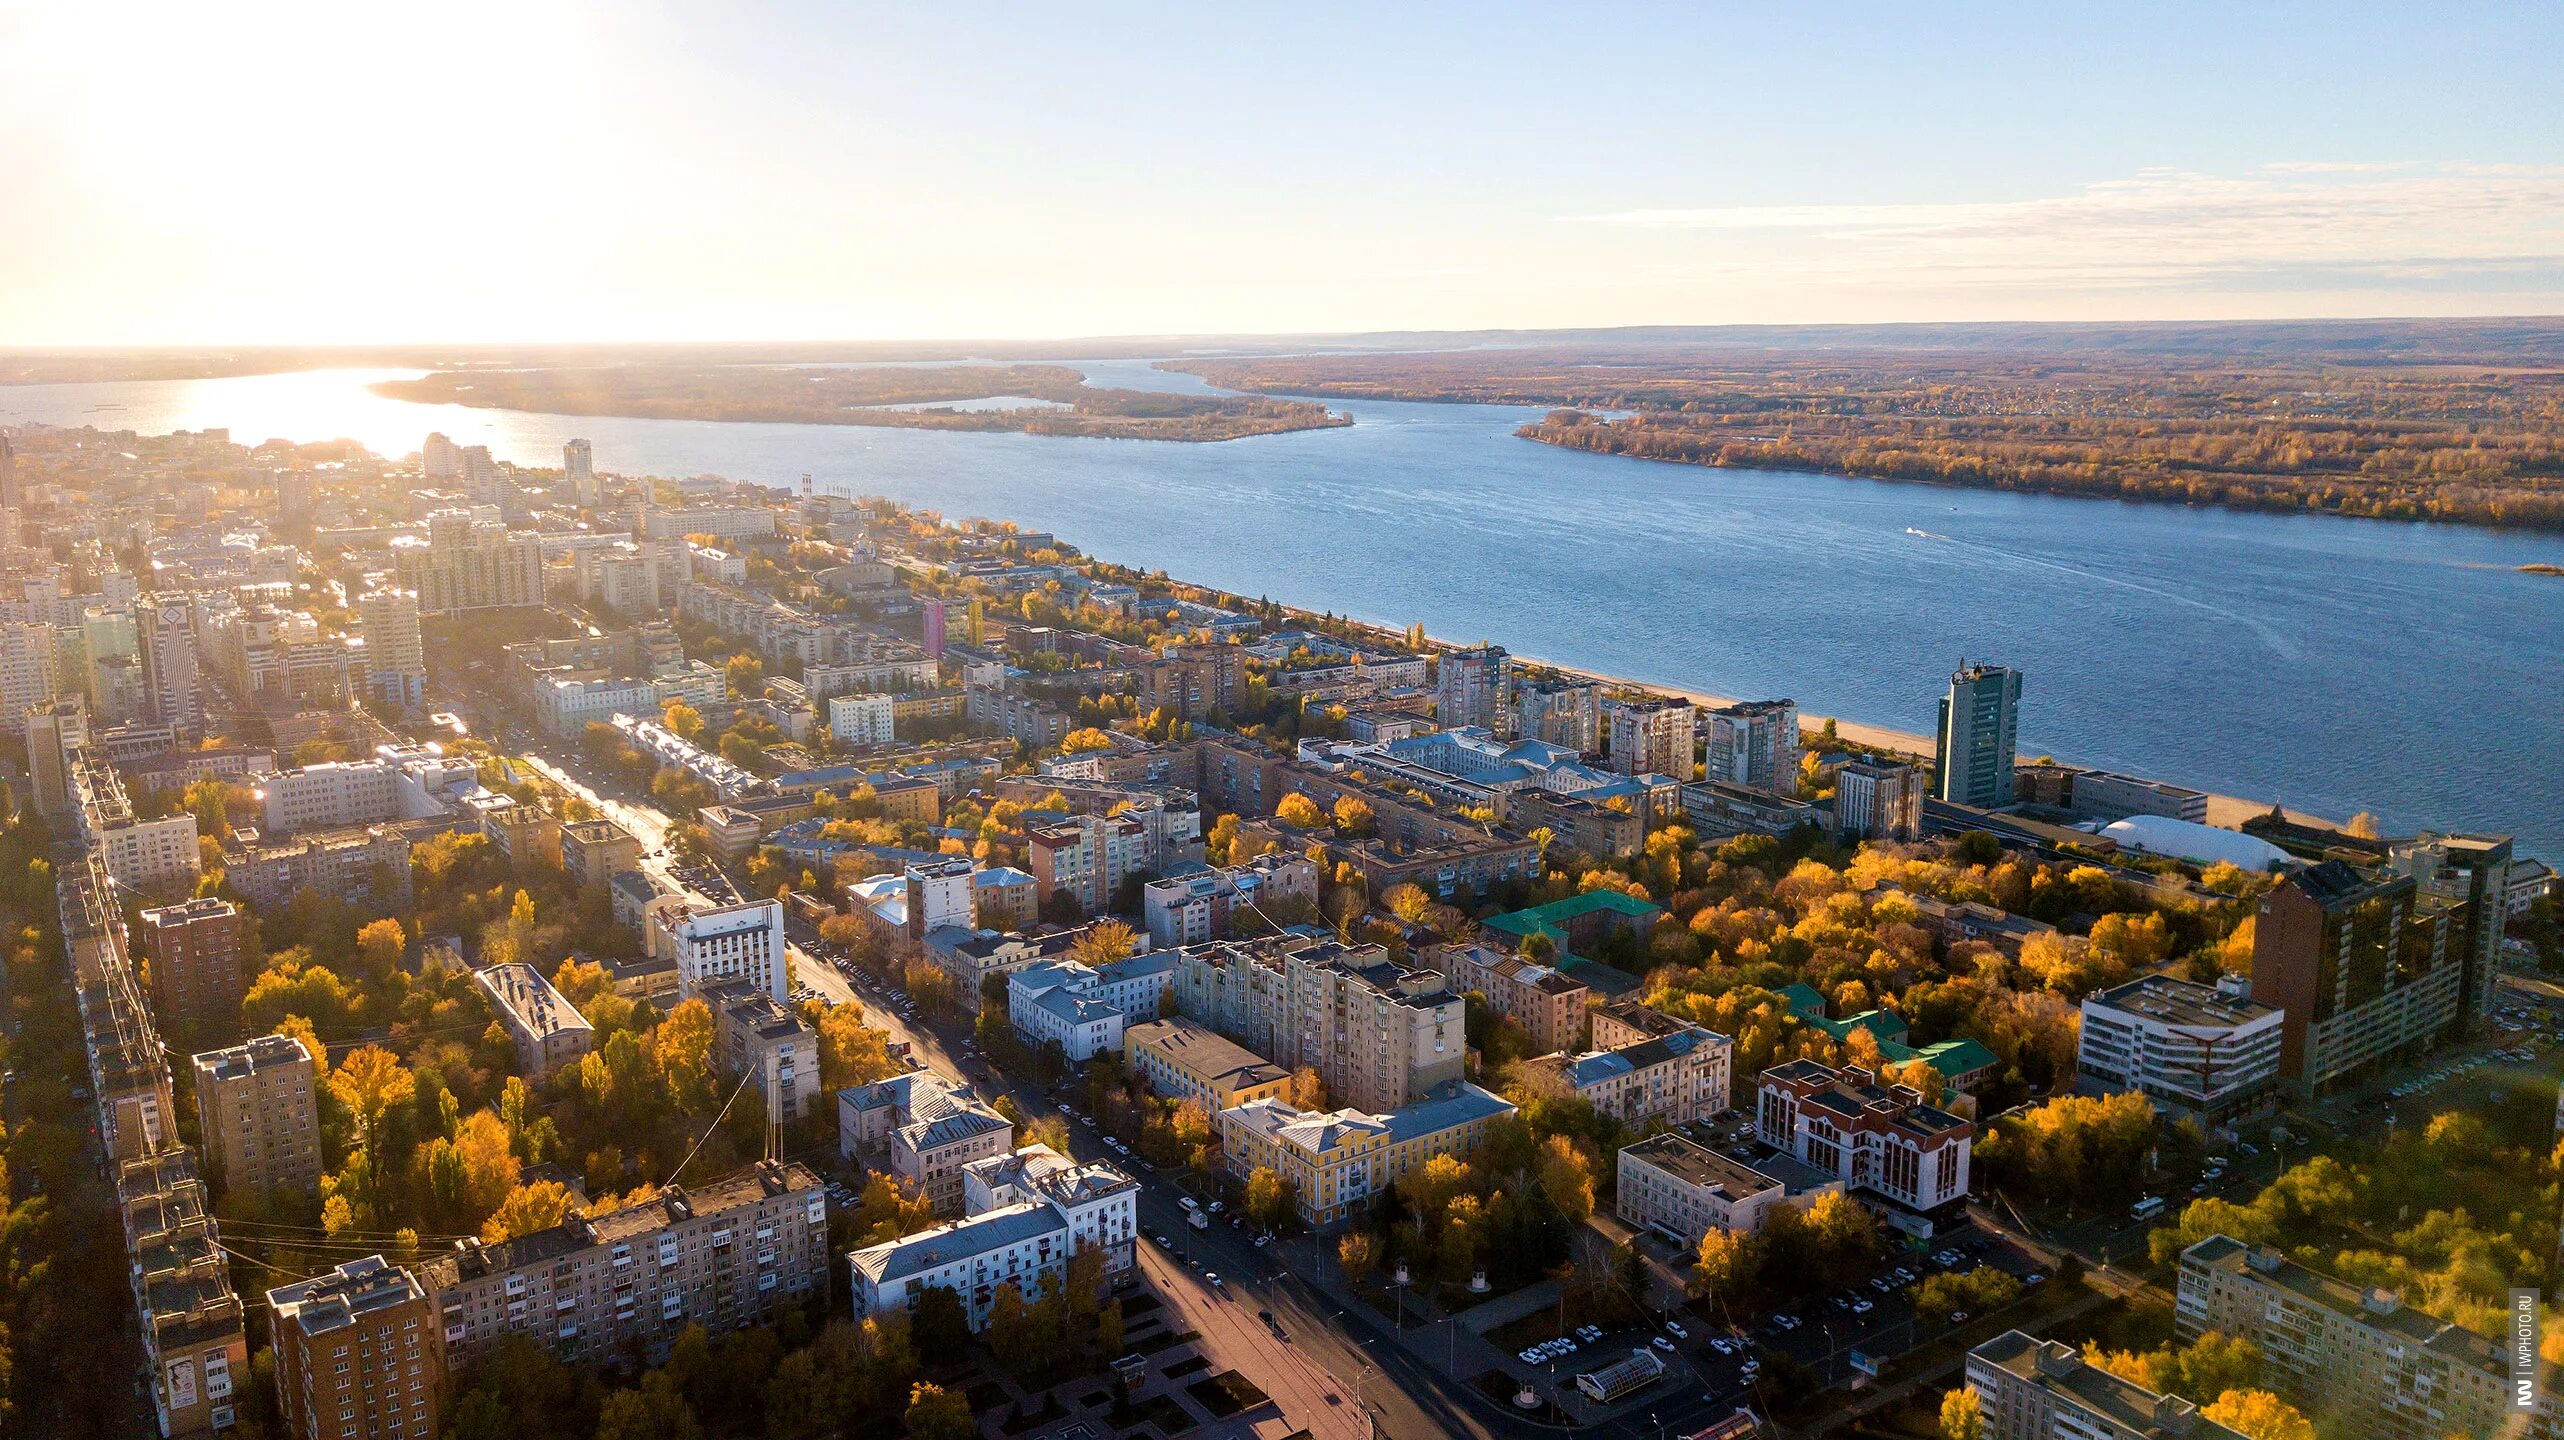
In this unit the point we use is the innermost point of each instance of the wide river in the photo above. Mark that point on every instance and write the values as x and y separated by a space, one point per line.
2335 665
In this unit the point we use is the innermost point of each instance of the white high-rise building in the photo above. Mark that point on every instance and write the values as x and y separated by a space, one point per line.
729 942
1980 726
395 655
26 672
440 458
165 630
578 470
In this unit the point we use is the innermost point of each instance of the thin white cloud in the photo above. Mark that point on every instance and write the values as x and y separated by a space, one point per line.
2355 222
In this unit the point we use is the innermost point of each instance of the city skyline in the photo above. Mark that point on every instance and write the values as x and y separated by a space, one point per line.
573 172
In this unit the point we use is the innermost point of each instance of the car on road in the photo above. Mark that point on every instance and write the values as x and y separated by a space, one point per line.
1161 1242
1263 1240
1722 1344
1188 1202
1211 1278
1529 1357
1862 1307
1675 1328
1661 1343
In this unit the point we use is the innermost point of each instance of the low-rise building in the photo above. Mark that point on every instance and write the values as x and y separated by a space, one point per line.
1185 1061
361 863
1334 1161
1683 1191
2033 1389
725 1255
712 942
938 1143
1881 1140
1677 1078
1083 1009
1878 800
1100 1203
258 1114
2201 1050
546 1029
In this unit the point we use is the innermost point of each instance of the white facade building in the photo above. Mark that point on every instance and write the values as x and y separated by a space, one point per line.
861 719
2200 1049
728 942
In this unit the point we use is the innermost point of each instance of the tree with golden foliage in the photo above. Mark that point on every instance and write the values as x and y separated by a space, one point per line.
2259 1415
851 1052
1358 1254
1962 1413
1299 812
1103 943
1566 1178
1726 1264
529 1209
1308 1090
1353 817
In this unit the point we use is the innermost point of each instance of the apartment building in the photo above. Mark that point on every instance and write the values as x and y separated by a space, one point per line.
1185 1061
370 862
943 1135
712 942
2359 1361
1626 1022
721 522
195 1350
470 564
1380 1035
1197 906
410 782
358 1355
1677 1078
595 851
863 719
1754 743
1683 1190
2361 967
1653 737
724 1255
2200 1050
1026 1244
755 1034
566 706
2033 1389
1473 687
1564 713
1194 680
1877 800
1542 999
258 1111
546 1029
1100 1203
199 965
869 1116
1083 1009
1880 1140
154 856
1086 856
1336 1160
1236 987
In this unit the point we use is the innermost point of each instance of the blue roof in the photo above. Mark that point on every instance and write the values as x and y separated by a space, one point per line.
1456 1104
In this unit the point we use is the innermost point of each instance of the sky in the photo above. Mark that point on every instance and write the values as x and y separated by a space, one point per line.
559 170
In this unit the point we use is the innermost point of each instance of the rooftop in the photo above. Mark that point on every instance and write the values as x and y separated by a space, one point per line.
2132 1408
1701 1166
959 1241
1204 1052
2175 1001
2378 1309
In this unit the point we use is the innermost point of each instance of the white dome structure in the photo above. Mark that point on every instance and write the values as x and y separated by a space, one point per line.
2199 844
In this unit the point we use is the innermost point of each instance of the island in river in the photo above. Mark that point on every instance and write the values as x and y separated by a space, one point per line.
1034 399
2455 420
